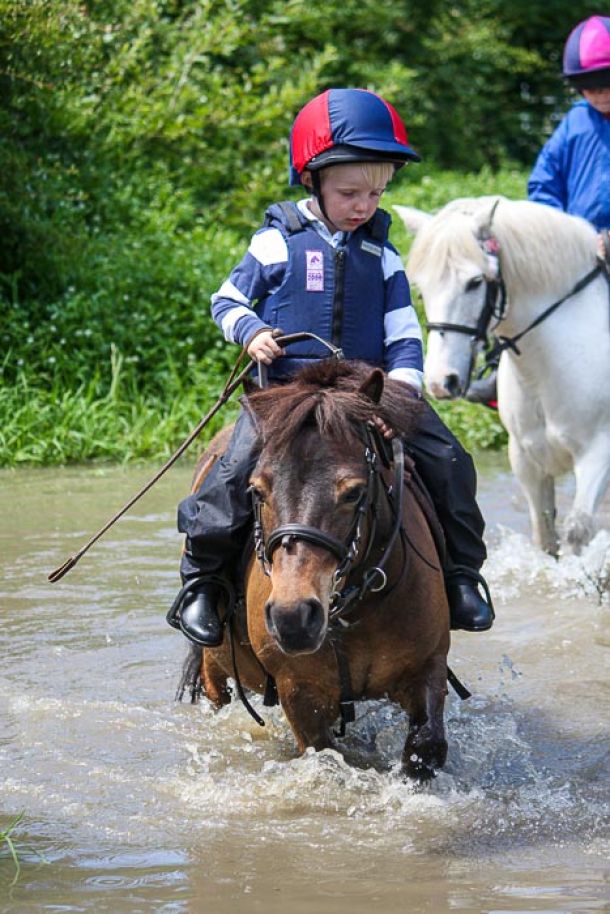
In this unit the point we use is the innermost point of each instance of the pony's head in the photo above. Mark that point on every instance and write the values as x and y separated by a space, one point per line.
487 257
311 484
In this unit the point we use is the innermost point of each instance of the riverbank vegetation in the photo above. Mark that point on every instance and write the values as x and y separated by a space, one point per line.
139 145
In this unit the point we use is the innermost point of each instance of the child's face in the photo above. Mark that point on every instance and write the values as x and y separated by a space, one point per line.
349 199
598 99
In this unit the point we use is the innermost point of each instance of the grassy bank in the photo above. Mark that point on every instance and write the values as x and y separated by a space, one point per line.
52 427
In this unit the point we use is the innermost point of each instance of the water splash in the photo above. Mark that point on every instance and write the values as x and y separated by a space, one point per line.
515 567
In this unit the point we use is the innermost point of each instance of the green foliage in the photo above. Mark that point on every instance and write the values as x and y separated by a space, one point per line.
477 427
50 426
140 141
6 839
430 188
128 362
8 843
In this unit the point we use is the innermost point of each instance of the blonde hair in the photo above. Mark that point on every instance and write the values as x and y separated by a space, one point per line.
377 174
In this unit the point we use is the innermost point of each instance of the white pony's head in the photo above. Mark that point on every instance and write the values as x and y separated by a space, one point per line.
541 253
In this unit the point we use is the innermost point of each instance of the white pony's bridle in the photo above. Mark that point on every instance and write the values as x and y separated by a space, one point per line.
494 306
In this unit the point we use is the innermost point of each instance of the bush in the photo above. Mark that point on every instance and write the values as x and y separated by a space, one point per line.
140 142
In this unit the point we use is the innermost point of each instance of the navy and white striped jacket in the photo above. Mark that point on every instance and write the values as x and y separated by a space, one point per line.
349 288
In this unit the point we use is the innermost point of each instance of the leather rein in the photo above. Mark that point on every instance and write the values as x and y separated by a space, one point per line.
235 379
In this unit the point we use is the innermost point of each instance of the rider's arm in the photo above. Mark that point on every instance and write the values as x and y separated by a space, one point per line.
548 181
259 273
403 348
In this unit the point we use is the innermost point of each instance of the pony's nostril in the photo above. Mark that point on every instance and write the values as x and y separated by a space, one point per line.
311 612
452 384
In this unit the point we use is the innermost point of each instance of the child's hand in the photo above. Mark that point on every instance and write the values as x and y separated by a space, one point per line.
386 430
263 348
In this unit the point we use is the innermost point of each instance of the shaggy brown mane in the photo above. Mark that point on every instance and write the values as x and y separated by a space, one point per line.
328 394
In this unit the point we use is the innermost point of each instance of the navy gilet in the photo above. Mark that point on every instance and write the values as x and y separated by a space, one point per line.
337 293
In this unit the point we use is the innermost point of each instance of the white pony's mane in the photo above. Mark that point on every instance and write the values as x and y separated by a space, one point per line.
541 248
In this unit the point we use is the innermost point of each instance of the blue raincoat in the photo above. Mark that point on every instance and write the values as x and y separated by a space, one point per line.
572 172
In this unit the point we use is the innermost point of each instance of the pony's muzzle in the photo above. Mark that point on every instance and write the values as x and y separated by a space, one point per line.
449 388
298 628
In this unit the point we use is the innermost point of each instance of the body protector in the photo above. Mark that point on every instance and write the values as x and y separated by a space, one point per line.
335 292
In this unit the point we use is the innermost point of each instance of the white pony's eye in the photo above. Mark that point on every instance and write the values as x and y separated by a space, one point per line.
473 283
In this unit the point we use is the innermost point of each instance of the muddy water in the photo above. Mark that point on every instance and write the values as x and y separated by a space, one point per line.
132 803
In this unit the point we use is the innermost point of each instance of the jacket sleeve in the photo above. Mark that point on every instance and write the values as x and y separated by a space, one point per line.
403 348
260 272
547 183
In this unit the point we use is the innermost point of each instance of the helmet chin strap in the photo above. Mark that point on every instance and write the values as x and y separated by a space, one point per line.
316 187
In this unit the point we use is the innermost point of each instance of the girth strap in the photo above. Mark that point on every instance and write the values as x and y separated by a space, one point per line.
458 687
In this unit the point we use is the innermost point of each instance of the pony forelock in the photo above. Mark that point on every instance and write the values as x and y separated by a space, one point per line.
327 396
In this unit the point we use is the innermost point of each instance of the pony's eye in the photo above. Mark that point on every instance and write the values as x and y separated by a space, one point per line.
352 496
474 283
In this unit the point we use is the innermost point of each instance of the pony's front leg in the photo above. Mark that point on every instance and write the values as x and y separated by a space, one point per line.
426 746
539 491
592 472
202 675
309 711
214 680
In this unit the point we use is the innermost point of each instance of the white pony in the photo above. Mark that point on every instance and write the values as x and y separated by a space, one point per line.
554 388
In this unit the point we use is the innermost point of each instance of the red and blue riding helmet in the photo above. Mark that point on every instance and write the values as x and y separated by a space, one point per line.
341 126
586 56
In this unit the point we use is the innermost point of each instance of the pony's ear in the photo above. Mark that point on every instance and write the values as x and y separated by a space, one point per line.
373 386
483 219
413 218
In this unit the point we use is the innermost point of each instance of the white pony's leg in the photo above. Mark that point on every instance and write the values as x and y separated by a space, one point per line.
539 491
592 472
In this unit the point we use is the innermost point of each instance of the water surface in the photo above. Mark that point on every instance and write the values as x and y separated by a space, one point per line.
138 804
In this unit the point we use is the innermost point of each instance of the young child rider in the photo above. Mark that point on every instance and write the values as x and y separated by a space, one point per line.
572 171
325 265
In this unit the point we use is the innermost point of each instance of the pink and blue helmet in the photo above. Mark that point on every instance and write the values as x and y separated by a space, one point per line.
586 56
340 126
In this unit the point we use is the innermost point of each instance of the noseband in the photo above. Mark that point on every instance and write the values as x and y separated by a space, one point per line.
348 551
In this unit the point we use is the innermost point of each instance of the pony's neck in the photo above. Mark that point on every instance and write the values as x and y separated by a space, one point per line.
544 252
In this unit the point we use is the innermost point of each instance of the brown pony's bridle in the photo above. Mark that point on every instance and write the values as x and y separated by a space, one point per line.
347 552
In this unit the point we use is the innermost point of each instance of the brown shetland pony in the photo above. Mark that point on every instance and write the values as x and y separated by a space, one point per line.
319 489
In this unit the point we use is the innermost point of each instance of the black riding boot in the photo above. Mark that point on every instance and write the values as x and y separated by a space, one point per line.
199 619
484 390
195 612
216 520
449 475
467 608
